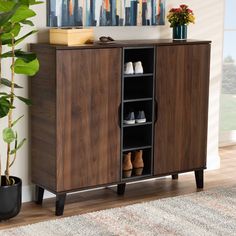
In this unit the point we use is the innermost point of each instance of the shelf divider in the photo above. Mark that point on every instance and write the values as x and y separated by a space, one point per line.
138 124
126 149
138 100
138 75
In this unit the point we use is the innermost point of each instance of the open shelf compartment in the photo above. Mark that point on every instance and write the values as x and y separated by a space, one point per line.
145 55
137 136
138 87
147 169
146 106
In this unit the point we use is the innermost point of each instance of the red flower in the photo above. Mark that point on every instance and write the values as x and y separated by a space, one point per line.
190 11
183 6
173 10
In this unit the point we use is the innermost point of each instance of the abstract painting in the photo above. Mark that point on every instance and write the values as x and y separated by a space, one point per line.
64 13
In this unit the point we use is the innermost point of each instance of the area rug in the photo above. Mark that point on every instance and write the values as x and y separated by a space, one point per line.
211 212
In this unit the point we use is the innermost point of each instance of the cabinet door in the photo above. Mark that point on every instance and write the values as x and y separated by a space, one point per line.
182 86
88 132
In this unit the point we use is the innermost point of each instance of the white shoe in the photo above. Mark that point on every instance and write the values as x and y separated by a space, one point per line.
129 69
138 68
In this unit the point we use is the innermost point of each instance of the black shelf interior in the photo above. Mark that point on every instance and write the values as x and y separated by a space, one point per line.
138 87
145 55
147 159
136 106
137 136
138 95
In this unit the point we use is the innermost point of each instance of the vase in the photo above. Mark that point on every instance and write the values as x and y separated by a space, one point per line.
180 32
10 198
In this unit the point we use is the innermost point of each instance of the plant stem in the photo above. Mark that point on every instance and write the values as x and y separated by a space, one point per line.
8 163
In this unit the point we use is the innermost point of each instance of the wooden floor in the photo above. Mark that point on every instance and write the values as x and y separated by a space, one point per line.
135 193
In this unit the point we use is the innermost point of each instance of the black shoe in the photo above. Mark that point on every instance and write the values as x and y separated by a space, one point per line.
129 119
140 117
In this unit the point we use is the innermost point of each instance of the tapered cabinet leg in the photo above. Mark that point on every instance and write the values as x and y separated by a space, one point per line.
199 177
176 176
60 203
39 195
121 189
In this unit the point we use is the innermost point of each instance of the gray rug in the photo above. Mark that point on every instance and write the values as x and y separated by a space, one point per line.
211 212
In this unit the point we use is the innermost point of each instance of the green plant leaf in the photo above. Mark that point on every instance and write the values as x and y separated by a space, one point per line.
22 13
9 53
7 27
8 83
8 135
26 56
26 68
6 6
14 122
25 100
30 2
5 16
18 146
27 22
5 106
6 95
17 41
15 30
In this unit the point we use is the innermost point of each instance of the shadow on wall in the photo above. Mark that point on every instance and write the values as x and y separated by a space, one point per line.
43 35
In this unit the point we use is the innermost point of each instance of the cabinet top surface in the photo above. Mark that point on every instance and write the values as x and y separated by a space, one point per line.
127 43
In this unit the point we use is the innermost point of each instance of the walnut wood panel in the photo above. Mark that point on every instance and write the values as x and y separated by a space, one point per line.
88 133
182 86
43 120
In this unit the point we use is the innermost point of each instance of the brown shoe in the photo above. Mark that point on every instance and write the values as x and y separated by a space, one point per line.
127 165
138 162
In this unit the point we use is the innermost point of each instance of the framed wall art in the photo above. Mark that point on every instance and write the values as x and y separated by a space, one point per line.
75 13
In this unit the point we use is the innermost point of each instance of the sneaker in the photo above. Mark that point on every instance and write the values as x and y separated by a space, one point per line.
140 117
129 70
138 68
129 119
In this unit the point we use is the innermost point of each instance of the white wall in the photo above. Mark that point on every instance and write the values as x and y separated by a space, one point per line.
209 26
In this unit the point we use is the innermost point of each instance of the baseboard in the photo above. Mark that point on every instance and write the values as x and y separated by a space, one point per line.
227 138
28 193
213 161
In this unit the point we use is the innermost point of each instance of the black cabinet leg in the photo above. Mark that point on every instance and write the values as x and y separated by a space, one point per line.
176 176
60 203
199 177
121 188
39 195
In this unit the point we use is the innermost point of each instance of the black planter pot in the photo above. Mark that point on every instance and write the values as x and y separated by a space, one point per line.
10 198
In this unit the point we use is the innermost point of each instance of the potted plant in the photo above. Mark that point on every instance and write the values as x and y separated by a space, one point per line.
179 18
14 15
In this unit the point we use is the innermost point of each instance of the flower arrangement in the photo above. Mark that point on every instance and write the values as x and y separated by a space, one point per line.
180 16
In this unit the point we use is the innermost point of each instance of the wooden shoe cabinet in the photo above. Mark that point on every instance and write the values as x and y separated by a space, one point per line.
81 96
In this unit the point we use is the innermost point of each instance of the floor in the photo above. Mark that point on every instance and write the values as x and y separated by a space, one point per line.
135 193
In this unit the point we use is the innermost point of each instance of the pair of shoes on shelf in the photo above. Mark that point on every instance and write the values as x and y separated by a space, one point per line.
132 118
133 68
133 162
